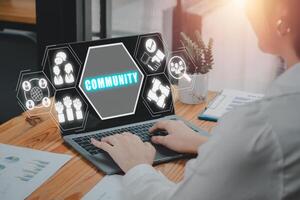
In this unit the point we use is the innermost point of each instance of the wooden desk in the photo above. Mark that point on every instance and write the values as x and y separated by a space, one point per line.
78 176
17 13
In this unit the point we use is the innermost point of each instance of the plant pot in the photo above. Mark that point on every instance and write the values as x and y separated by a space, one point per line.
194 91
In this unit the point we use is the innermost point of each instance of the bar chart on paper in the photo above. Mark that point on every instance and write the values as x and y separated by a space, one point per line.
226 101
23 170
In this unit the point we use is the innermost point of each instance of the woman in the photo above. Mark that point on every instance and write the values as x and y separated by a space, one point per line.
254 152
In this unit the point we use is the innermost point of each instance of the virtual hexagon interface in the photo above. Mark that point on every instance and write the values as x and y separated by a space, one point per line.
103 83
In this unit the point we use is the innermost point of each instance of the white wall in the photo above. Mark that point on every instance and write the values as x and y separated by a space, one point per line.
239 64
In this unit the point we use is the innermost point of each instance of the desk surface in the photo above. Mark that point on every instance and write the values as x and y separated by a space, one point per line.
78 176
18 11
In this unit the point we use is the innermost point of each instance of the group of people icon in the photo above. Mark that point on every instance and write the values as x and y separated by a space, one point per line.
59 79
34 92
66 104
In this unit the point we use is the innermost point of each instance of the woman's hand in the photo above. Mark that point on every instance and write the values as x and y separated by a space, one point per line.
127 150
180 137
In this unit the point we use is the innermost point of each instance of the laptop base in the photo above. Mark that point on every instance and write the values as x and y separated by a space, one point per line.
105 163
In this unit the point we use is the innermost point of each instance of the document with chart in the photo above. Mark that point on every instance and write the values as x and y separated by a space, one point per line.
23 170
226 101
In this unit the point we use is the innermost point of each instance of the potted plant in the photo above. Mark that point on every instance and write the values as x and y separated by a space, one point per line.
202 57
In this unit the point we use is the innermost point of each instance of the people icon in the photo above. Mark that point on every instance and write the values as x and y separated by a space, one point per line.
77 105
177 68
30 104
63 71
60 57
69 77
58 79
69 111
42 83
59 107
26 86
46 102
153 56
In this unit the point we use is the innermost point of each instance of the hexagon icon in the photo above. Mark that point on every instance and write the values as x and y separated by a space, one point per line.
34 93
157 94
111 81
151 54
185 80
62 66
69 109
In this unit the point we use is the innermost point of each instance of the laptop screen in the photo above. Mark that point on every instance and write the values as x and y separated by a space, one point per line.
108 83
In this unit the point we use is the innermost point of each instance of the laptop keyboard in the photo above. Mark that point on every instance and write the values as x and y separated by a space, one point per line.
141 130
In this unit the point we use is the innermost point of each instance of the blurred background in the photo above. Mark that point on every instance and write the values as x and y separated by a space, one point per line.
28 26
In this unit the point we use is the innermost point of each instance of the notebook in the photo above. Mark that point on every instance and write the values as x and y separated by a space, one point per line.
225 102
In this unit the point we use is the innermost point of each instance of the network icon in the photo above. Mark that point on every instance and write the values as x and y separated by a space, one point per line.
36 93
158 93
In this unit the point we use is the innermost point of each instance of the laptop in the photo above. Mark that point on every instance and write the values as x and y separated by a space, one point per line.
111 86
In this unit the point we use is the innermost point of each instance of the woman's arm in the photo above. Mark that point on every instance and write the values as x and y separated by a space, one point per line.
128 151
240 161
180 137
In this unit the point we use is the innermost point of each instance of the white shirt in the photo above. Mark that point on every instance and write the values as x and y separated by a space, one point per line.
253 153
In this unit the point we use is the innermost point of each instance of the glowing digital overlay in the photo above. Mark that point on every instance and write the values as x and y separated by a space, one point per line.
151 54
113 85
62 66
99 83
70 109
157 94
34 92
